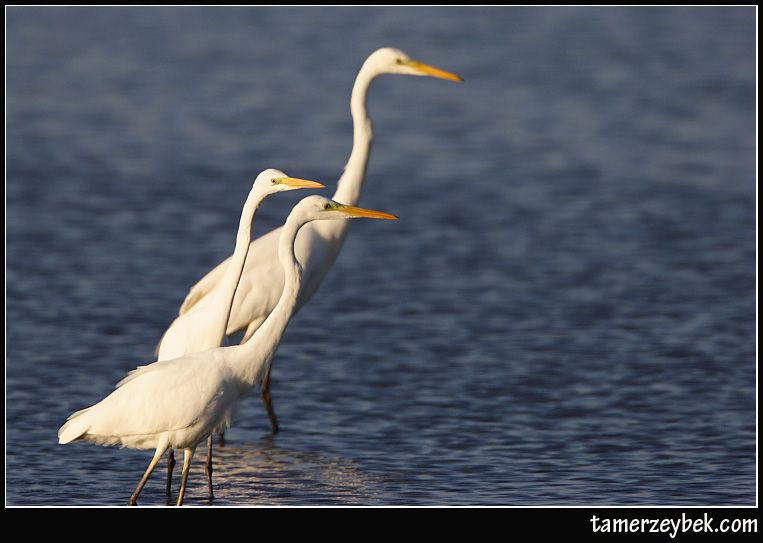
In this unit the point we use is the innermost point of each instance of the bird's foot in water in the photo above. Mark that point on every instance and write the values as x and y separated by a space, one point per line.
268 401
209 469
170 468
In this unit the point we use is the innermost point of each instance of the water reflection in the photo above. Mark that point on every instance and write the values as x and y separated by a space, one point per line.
263 473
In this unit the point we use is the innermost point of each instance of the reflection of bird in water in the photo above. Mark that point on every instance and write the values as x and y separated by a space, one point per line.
264 473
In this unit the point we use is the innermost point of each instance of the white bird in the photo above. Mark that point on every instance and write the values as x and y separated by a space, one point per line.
204 327
180 402
318 244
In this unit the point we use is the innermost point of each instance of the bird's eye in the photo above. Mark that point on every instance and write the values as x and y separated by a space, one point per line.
399 60
327 206
272 181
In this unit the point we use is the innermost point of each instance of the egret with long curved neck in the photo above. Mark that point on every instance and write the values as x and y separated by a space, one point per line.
319 243
204 327
180 402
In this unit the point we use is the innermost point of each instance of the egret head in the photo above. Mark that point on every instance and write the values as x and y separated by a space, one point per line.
271 181
317 208
388 60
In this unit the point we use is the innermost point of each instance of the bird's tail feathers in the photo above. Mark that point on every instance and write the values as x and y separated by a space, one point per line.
76 426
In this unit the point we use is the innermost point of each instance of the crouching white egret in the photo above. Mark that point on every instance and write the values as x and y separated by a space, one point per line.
204 327
318 244
180 402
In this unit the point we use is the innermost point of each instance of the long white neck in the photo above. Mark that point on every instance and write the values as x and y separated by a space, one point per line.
249 359
222 299
351 182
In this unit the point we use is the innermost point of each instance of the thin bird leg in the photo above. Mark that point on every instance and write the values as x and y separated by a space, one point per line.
186 467
209 467
170 467
268 400
154 461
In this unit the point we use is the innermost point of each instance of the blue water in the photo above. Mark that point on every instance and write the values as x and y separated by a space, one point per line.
564 315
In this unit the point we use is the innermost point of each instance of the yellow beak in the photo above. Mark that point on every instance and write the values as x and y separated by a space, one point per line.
368 213
301 183
434 72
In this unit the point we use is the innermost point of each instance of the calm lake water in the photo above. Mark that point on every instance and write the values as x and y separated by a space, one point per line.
564 315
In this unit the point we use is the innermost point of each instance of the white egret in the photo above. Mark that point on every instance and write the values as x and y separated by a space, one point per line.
204 327
180 402
318 244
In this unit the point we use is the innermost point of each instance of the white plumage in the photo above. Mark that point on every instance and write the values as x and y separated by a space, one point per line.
318 244
163 401
178 403
204 327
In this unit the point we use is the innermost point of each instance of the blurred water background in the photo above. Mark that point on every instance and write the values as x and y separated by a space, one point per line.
564 315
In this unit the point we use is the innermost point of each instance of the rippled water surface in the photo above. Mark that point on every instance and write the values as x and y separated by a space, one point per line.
564 315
